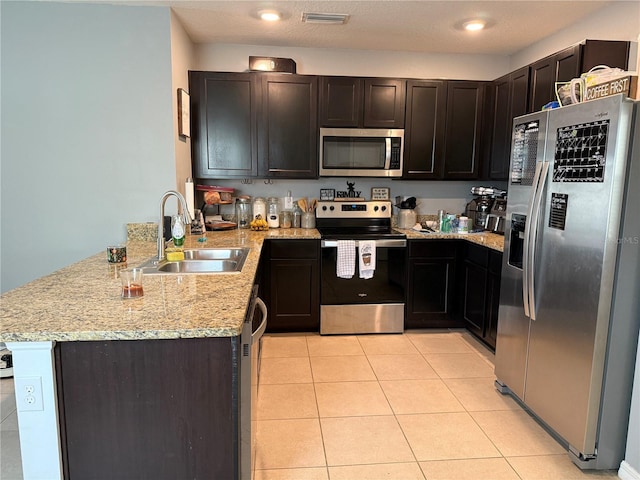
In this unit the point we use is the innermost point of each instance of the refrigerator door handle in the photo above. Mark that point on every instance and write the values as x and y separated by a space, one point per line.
527 234
533 239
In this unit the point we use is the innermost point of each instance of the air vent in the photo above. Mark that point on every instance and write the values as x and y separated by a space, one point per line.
326 18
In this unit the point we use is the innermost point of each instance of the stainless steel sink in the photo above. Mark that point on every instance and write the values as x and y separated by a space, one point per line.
200 261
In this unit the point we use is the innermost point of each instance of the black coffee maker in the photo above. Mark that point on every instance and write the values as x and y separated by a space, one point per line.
479 208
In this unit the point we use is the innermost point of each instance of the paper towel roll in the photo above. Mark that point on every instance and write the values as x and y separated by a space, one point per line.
189 196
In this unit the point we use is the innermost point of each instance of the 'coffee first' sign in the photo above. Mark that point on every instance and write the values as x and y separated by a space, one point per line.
627 85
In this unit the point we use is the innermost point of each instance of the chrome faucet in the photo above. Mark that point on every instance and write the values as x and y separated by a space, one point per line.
185 214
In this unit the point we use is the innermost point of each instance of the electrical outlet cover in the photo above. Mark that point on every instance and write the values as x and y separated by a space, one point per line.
29 393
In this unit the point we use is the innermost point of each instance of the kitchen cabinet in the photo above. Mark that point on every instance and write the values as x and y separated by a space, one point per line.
161 409
224 108
431 284
293 289
510 100
480 292
464 129
571 63
424 132
355 102
288 126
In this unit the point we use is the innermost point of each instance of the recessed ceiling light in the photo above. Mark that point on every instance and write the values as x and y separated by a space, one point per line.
474 25
326 18
270 15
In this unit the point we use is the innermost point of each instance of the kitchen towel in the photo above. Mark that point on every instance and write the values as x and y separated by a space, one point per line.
367 258
346 258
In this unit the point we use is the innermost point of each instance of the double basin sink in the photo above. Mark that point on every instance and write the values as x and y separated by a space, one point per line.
199 261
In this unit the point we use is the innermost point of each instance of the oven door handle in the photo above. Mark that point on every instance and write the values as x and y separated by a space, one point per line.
382 243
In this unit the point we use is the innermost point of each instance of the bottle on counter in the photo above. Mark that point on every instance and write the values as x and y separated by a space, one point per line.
297 217
178 230
273 212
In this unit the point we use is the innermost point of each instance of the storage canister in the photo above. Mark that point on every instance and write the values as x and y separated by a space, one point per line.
273 212
243 212
260 207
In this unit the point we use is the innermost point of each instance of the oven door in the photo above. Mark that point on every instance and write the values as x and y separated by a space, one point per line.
357 305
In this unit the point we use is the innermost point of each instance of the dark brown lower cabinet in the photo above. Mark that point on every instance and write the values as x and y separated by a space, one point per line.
161 409
431 284
480 292
293 296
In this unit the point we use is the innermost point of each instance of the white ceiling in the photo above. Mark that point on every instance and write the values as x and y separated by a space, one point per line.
428 26
414 26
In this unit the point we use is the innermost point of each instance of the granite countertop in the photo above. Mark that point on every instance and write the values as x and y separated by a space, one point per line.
487 239
82 301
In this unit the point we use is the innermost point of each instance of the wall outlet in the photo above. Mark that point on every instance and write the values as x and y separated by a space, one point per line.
29 393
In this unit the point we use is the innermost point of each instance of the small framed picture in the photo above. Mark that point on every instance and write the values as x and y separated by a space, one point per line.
327 194
183 114
380 193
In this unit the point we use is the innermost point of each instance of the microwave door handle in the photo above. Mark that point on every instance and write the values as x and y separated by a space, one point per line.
387 155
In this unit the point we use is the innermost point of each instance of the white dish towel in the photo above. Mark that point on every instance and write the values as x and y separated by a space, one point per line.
346 258
367 258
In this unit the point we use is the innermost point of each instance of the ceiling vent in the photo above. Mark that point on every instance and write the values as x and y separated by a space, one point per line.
326 18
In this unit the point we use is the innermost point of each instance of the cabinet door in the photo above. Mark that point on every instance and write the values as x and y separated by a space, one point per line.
294 286
340 101
288 127
493 298
475 293
429 302
509 101
224 113
384 101
424 132
463 129
559 67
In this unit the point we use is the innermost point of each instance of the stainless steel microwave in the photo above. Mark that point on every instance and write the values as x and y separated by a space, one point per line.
361 152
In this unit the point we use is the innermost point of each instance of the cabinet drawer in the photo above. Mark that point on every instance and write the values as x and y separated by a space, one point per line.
432 249
478 254
289 249
495 262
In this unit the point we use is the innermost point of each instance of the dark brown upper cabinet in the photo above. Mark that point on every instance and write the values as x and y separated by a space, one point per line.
224 108
509 100
571 63
355 102
464 129
288 126
424 129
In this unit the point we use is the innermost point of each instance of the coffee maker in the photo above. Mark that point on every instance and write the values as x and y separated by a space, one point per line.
480 207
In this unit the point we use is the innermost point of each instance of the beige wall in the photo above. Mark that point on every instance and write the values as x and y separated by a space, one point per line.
182 60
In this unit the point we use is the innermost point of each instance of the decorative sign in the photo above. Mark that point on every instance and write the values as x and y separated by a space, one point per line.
327 194
380 193
350 193
627 85
184 121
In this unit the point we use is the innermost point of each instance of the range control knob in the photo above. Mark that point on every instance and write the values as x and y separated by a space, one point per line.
375 209
384 208
332 208
324 208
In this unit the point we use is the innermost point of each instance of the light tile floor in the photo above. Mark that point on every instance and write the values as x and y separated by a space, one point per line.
416 406
10 462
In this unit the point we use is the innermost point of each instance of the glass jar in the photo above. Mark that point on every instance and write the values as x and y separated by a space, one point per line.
273 212
297 217
243 212
308 220
260 208
285 219
406 218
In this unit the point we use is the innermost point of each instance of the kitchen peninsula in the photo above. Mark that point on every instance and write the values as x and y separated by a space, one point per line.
162 365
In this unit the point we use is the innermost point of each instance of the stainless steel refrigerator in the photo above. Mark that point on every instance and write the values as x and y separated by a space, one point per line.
569 301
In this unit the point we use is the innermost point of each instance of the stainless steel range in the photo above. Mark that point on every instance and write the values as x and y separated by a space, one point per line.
363 268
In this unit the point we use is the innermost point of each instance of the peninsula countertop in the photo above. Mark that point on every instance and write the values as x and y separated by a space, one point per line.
81 302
